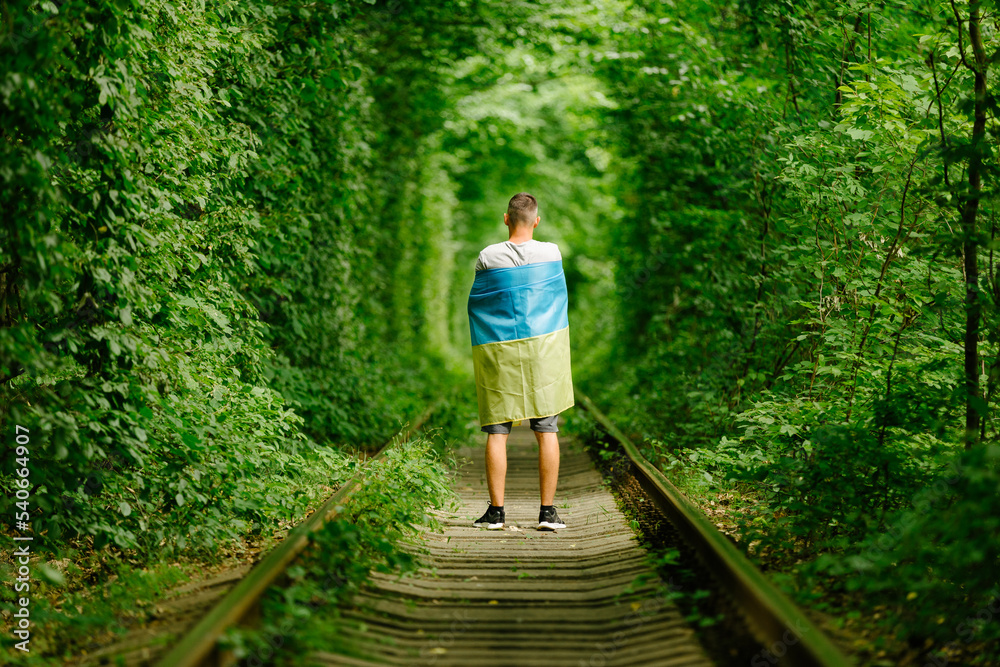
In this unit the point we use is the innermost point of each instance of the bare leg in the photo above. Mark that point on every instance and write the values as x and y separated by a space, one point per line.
548 465
496 466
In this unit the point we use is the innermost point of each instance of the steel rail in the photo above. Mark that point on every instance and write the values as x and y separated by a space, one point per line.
774 620
200 645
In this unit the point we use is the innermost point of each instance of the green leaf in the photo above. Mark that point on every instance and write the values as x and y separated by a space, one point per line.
50 574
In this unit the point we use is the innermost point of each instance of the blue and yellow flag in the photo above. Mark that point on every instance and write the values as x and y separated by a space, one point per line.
520 342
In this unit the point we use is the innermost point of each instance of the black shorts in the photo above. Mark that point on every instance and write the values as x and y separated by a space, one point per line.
537 424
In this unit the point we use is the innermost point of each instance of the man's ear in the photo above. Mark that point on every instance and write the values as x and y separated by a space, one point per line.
536 222
506 219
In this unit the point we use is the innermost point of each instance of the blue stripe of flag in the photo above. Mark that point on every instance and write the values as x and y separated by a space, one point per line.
518 302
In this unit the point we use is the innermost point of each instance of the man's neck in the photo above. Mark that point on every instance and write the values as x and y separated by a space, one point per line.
518 237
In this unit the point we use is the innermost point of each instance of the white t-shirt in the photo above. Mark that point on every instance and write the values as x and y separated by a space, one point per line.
505 254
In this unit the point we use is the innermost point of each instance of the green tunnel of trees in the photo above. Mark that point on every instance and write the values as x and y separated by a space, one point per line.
238 237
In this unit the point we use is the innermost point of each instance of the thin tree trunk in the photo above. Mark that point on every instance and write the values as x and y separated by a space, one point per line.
878 289
838 96
970 209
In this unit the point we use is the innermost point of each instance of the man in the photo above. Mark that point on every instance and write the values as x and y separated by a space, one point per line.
520 349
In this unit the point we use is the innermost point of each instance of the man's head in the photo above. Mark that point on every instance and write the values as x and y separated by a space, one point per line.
522 212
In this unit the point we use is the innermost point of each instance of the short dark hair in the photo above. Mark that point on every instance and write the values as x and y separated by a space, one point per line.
522 209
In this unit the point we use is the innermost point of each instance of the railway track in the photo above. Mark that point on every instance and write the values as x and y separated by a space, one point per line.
520 596
584 595
785 633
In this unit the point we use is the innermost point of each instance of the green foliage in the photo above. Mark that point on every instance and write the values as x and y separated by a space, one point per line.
83 619
792 270
930 562
193 290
